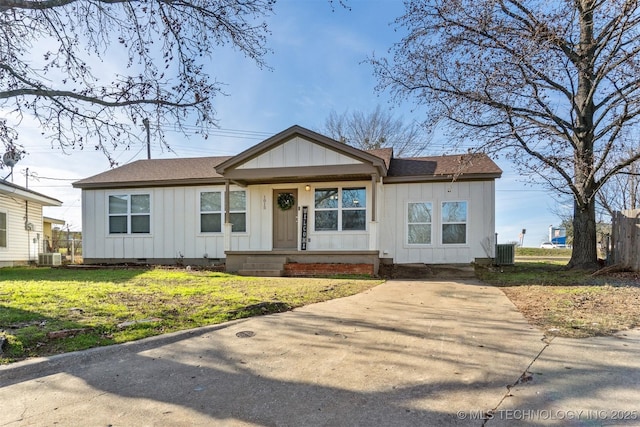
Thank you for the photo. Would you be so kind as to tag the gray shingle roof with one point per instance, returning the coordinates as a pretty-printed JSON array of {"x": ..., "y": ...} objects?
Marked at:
[
  {"x": 444, "y": 166},
  {"x": 159, "y": 172},
  {"x": 201, "y": 170},
  {"x": 384, "y": 153}
]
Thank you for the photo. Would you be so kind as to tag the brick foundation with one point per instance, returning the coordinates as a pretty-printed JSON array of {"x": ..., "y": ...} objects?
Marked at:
[{"x": 319, "y": 269}]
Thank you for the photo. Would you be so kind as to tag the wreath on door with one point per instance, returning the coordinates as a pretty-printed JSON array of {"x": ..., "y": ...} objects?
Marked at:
[{"x": 286, "y": 201}]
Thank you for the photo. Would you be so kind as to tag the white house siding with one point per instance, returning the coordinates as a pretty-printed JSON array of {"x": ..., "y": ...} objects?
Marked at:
[
  {"x": 175, "y": 224},
  {"x": 260, "y": 219},
  {"x": 479, "y": 196},
  {"x": 20, "y": 245},
  {"x": 298, "y": 152},
  {"x": 338, "y": 240},
  {"x": 175, "y": 227}
]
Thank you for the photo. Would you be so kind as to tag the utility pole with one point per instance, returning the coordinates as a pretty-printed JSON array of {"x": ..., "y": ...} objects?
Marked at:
[{"x": 145, "y": 122}]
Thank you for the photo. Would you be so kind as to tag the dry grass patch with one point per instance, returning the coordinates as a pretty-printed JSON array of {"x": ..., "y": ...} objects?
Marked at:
[
  {"x": 578, "y": 311},
  {"x": 569, "y": 303}
]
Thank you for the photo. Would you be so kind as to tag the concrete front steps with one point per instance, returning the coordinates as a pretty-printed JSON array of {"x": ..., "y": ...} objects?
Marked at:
[{"x": 264, "y": 266}]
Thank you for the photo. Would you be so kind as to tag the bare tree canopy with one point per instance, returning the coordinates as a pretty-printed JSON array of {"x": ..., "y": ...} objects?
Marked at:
[
  {"x": 88, "y": 71},
  {"x": 377, "y": 129},
  {"x": 621, "y": 192},
  {"x": 554, "y": 84}
]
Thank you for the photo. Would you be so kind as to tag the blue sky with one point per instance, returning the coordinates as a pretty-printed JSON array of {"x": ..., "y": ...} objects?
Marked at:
[{"x": 317, "y": 65}]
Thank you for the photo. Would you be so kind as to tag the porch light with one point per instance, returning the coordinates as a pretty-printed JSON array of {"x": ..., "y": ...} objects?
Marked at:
[{"x": 307, "y": 187}]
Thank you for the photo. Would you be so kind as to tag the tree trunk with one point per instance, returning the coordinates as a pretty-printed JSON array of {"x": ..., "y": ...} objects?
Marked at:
[{"x": 584, "y": 254}]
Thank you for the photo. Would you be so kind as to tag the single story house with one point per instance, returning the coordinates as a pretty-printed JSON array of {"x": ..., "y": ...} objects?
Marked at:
[
  {"x": 22, "y": 231},
  {"x": 298, "y": 202},
  {"x": 50, "y": 224}
]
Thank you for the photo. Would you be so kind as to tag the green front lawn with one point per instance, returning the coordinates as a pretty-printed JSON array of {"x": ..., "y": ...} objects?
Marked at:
[{"x": 46, "y": 311}]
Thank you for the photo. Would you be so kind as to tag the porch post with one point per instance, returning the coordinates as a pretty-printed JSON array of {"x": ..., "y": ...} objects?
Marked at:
[
  {"x": 227, "y": 223},
  {"x": 374, "y": 187},
  {"x": 373, "y": 225}
]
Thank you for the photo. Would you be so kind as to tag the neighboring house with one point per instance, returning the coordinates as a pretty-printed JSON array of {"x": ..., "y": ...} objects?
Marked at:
[
  {"x": 48, "y": 245},
  {"x": 302, "y": 199},
  {"x": 21, "y": 224}
]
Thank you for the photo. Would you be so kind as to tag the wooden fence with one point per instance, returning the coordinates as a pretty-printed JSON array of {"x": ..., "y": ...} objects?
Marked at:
[{"x": 625, "y": 239}]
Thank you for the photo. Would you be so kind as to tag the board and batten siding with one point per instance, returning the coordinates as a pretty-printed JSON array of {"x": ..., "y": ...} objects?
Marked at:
[
  {"x": 298, "y": 152},
  {"x": 174, "y": 224},
  {"x": 480, "y": 198},
  {"x": 338, "y": 240},
  {"x": 260, "y": 220},
  {"x": 20, "y": 245}
]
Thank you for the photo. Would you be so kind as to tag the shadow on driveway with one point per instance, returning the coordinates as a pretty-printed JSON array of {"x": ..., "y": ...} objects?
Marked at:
[{"x": 404, "y": 353}]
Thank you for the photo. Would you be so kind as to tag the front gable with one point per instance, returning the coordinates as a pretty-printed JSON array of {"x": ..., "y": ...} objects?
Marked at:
[{"x": 298, "y": 154}]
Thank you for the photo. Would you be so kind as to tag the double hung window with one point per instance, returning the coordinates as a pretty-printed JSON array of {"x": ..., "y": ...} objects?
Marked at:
[
  {"x": 419, "y": 218},
  {"x": 212, "y": 211},
  {"x": 3, "y": 230},
  {"x": 340, "y": 209},
  {"x": 454, "y": 223},
  {"x": 238, "y": 211},
  {"x": 130, "y": 213}
]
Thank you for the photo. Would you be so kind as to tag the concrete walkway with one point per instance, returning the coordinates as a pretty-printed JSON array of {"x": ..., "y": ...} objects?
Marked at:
[{"x": 406, "y": 353}]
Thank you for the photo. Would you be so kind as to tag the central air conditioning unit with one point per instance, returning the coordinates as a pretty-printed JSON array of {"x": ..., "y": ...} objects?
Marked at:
[
  {"x": 505, "y": 254},
  {"x": 50, "y": 259}
]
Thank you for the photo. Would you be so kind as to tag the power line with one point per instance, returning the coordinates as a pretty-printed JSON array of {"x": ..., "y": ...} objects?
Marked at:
[
  {"x": 523, "y": 190},
  {"x": 49, "y": 186},
  {"x": 38, "y": 177},
  {"x": 237, "y": 133}
]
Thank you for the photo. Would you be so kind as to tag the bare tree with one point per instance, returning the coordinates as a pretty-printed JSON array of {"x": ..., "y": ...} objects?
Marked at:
[
  {"x": 622, "y": 191},
  {"x": 56, "y": 57},
  {"x": 552, "y": 84},
  {"x": 377, "y": 129}
]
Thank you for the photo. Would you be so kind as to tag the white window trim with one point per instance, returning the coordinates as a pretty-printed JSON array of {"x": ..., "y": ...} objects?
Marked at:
[
  {"x": 340, "y": 209},
  {"x": 129, "y": 214},
  {"x": 200, "y": 213},
  {"x": 245, "y": 211},
  {"x": 6, "y": 231},
  {"x": 407, "y": 223},
  {"x": 222, "y": 212},
  {"x": 442, "y": 223}
]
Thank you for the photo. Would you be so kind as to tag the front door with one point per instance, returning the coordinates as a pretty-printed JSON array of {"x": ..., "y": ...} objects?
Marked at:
[{"x": 285, "y": 219}]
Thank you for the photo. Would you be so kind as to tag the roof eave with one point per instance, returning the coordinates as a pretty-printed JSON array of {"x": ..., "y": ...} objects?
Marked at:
[
  {"x": 53, "y": 220},
  {"x": 442, "y": 178},
  {"x": 146, "y": 184},
  {"x": 30, "y": 195}
]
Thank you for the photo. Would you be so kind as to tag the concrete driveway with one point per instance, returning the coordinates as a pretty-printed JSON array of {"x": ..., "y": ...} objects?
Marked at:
[{"x": 406, "y": 353}]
